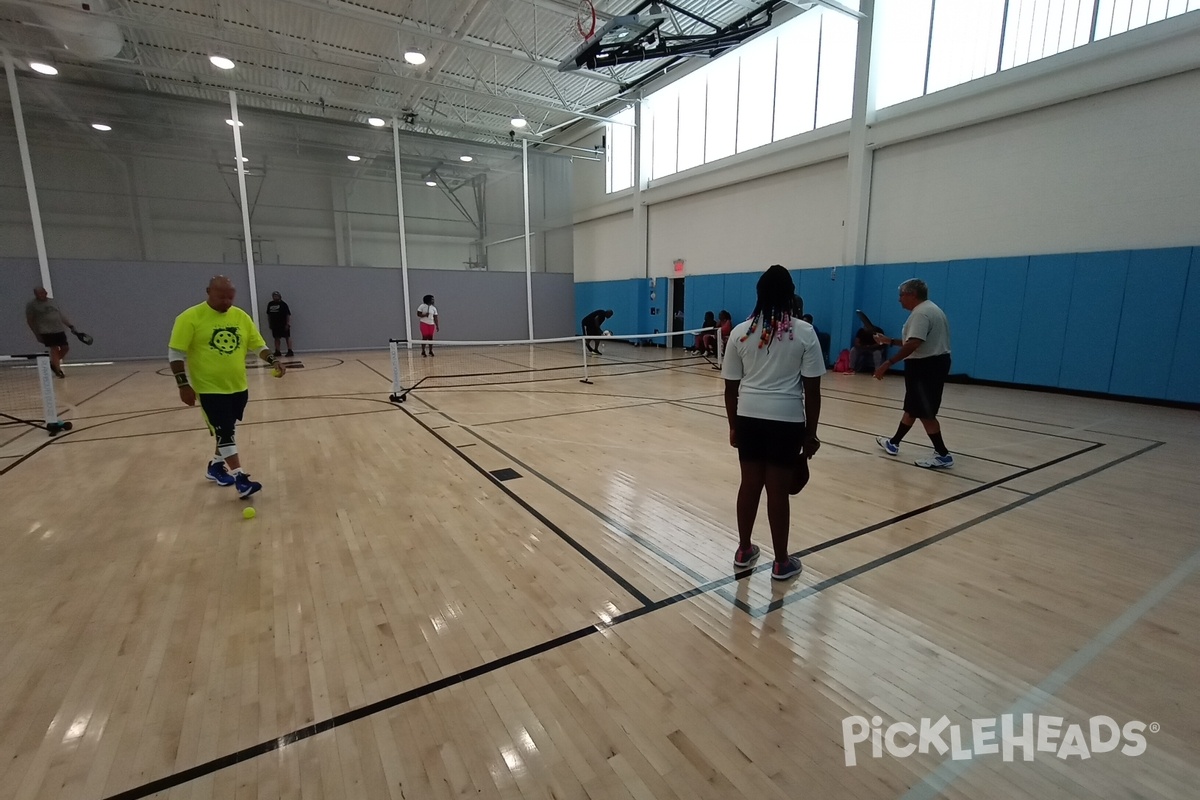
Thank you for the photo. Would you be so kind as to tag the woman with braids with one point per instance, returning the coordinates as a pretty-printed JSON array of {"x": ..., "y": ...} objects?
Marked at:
[{"x": 772, "y": 370}]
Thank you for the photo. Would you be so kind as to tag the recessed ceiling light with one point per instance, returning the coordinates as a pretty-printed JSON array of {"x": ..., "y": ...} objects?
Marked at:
[
  {"x": 240, "y": 124},
  {"x": 45, "y": 69},
  {"x": 376, "y": 122},
  {"x": 221, "y": 62},
  {"x": 414, "y": 57},
  {"x": 466, "y": 158},
  {"x": 519, "y": 122},
  {"x": 100, "y": 126},
  {"x": 431, "y": 183},
  {"x": 354, "y": 158}
]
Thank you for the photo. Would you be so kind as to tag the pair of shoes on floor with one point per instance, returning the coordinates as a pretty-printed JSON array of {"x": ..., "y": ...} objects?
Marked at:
[
  {"x": 289, "y": 354},
  {"x": 218, "y": 474},
  {"x": 780, "y": 570},
  {"x": 933, "y": 462}
]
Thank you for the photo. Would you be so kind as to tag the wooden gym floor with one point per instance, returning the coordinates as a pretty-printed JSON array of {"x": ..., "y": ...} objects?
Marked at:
[{"x": 526, "y": 590}]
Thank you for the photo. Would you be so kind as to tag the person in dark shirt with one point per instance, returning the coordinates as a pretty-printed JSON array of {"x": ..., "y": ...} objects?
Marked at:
[
  {"x": 591, "y": 327},
  {"x": 279, "y": 320}
]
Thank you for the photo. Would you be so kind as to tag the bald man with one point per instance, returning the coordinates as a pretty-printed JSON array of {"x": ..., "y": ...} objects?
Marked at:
[{"x": 208, "y": 348}]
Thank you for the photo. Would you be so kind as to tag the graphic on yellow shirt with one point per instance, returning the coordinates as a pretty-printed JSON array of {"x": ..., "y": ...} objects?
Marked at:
[
  {"x": 216, "y": 345},
  {"x": 225, "y": 340}
]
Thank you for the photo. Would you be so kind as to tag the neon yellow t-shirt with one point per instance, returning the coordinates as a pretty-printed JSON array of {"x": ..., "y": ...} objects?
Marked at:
[{"x": 216, "y": 345}]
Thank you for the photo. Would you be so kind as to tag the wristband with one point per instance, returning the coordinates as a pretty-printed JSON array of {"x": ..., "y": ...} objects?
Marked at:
[
  {"x": 181, "y": 378},
  {"x": 270, "y": 358}
]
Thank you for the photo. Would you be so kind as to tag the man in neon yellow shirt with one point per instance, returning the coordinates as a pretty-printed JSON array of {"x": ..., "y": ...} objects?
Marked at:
[{"x": 213, "y": 339}]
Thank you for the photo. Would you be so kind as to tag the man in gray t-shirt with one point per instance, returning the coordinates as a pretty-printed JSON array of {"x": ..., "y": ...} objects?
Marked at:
[
  {"x": 49, "y": 325},
  {"x": 925, "y": 351}
]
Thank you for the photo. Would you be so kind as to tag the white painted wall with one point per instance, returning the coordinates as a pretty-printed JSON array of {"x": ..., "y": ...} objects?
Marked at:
[
  {"x": 604, "y": 249},
  {"x": 793, "y": 218},
  {"x": 1109, "y": 172}
]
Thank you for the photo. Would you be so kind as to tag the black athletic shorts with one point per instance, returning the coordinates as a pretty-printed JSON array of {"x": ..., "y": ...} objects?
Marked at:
[
  {"x": 53, "y": 339},
  {"x": 769, "y": 440},
  {"x": 223, "y": 410},
  {"x": 281, "y": 333},
  {"x": 924, "y": 379}
]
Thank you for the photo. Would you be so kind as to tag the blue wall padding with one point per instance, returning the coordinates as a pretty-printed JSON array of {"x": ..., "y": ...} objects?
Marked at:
[
  {"x": 1092, "y": 318},
  {"x": 1149, "y": 322},
  {"x": 1109, "y": 322},
  {"x": 1047, "y": 296}
]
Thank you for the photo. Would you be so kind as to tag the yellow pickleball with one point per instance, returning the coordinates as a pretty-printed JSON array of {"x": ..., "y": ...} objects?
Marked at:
[{"x": 248, "y": 513}]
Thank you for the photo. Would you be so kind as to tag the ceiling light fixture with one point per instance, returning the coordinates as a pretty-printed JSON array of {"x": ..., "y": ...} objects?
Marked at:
[
  {"x": 376, "y": 122},
  {"x": 240, "y": 124},
  {"x": 244, "y": 159},
  {"x": 221, "y": 62},
  {"x": 519, "y": 122},
  {"x": 100, "y": 126},
  {"x": 431, "y": 183},
  {"x": 466, "y": 158},
  {"x": 354, "y": 158},
  {"x": 45, "y": 69},
  {"x": 414, "y": 57}
]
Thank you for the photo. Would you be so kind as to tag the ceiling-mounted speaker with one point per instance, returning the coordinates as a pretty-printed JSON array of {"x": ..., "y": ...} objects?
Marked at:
[{"x": 83, "y": 29}]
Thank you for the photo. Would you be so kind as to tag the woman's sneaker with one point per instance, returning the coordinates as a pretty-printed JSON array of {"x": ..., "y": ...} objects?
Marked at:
[
  {"x": 784, "y": 570},
  {"x": 745, "y": 556}
]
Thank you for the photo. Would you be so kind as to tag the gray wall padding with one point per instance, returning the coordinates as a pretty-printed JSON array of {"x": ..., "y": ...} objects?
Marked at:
[{"x": 129, "y": 307}]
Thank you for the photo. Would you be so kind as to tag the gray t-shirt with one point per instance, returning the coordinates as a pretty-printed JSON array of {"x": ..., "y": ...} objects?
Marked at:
[
  {"x": 46, "y": 316},
  {"x": 928, "y": 323}
]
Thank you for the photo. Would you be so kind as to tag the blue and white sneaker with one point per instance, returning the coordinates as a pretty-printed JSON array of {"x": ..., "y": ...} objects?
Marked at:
[
  {"x": 886, "y": 444},
  {"x": 218, "y": 474},
  {"x": 936, "y": 462},
  {"x": 245, "y": 486}
]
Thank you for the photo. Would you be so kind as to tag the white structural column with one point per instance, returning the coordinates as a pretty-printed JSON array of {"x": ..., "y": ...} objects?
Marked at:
[
  {"x": 528, "y": 237},
  {"x": 408, "y": 335},
  {"x": 241, "y": 173},
  {"x": 641, "y": 219},
  {"x": 862, "y": 148},
  {"x": 27, "y": 165}
]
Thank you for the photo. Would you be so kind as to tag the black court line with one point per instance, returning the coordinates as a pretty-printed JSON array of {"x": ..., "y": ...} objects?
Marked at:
[
  {"x": 194, "y": 430},
  {"x": 896, "y": 405},
  {"x": 570, "y": 413},
  {"x": 779, "y": 603},
  {"x": 899, "y": 461},
  {"x": 18, "y": 462},
  {"x": 394, "y": 701},
  {"x": 616, "y": 577},
  {"x": 402, "y": 698}
]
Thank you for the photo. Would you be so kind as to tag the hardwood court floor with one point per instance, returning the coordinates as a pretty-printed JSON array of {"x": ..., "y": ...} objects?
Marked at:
[{"x": 404, "y": 618}]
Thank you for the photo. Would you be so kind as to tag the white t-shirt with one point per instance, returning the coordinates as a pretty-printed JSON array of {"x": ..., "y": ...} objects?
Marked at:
[
  {"x": 771, "y": 386},
  {"x": 928, "y": 323},
  {"x": 426, "y": 309}
]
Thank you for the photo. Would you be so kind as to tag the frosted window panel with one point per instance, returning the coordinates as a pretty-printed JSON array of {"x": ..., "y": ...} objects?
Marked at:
[
  {"x": 966, "y": 41},
  {"x": 692, "y": 102},
  {"x": 664, "y": 106},
  {"x": 901, "y": 40},
  {"x": 721, "y": 116},
  {"x": 620, "y": 152},
  {"x": 756, "y": 94},
  {"x": 796, "y": 76},
  {"x": 835, "y": 87},
  {"x": 1113, "y": 17}
]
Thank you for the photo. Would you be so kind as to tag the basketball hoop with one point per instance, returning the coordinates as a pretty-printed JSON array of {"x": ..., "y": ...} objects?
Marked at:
[{"x": 585, "y": 19}]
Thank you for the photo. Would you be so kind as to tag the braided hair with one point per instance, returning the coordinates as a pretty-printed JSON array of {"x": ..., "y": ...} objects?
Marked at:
[{"x": 774, "y": 309}]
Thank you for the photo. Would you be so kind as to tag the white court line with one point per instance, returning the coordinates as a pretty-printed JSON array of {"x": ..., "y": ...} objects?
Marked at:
[{"x": 936, "y": 782}]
